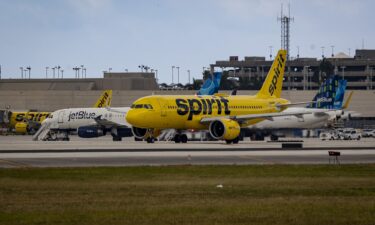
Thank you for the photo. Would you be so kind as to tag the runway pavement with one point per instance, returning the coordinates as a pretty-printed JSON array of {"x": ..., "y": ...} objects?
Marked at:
[{"x": 20, "y": 151}]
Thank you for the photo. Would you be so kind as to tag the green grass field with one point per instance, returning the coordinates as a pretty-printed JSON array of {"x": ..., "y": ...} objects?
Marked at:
[{"x": 188, "y": 195}]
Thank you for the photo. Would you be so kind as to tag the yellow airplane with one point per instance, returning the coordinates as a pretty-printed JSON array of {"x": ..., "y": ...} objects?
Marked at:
[
  {"x": 29, "y": 122},
  {"x": 223, "y": 116}
]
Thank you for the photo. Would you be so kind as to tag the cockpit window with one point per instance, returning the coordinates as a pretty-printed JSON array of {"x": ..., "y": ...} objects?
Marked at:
[
  {"x": 50, "y": 116},
  {"x": 141, "y": 106},
  {"x": 148, "y": 106}
]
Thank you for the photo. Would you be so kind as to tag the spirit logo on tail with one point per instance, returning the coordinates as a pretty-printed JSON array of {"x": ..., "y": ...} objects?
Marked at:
[{"x": 277, "y": 70}]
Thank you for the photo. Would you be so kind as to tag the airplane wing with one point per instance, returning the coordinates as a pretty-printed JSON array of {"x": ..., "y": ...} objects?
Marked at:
[
  {"x": 107, "y": 123},
  {"x": 242, "y": 118}
]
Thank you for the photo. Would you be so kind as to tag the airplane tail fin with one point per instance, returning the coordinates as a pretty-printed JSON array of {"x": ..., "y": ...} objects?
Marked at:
[
  {"x": 330, "y": 94},
  {"x": 273, "y": 83},
  {"x": 211, "y": 86},
  {"x": 104, "y": 100}
]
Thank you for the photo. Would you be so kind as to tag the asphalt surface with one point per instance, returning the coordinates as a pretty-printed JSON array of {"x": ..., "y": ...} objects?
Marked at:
[{"x": 21, "y": 151}]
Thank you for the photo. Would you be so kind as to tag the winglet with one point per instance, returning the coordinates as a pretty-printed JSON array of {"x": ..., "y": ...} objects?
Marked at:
[
  {"x": 347, "y": 102},
  {"x": 104, "y": 100},
  {"x": 273, "y": 83}
]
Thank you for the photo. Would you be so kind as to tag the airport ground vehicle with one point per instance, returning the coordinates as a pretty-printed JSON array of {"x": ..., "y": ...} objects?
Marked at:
[
  {"x": 329, "y": 135},
  {"x": 368, "y": 133},
  {"x": 350, "y": 134}
]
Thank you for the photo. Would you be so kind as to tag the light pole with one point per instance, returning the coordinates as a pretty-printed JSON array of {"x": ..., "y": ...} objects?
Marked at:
[
  {"x": 322, "y": 52},
  {"x": 309, "y": 80},
  {"x": 271, "y": 51},
  {"x": 109, "y": 70},
  {"x": 62, "y": 74},
  {"x": 172, "y": 74},
  {"x": 343, "y": 72},
  {"x": 82, "y": 70},
  {"x": 306, "y": 68},
  {"x": 47, "y": 71},
  {"x": 85, "y": 71},
  {"x": 332, "y": 47},
  {"x": 58, "y": 71},
  {"x": 75, "y": 72},
  {"x": 297, "y": 51},
  {"x": 29, "y": 69},
  {"x": 188, "y": 71},
  {"x": 21, "y": 68},
  {"x": 371, "y": 78},
  {"x": 156, "y": 75},
  {"x": 53, "y": 69},
  {"x": 178, "y": 74}
]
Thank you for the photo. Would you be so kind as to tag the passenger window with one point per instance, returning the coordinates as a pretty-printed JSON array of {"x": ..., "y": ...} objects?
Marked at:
[{"x": 138, "y": 106}]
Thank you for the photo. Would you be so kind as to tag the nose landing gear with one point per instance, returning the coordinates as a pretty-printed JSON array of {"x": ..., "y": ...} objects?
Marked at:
[{"x": 180, "y": 138}]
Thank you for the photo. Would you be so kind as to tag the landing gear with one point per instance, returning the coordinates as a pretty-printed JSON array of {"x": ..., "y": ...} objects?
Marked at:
[
  {"x": 116, "y": 138},
  {"x": 150, "y": 140},
  {"x": 274, "y": 137},
  {"x": 234, "y": 141},
  {"x": 180, "y": 138}
]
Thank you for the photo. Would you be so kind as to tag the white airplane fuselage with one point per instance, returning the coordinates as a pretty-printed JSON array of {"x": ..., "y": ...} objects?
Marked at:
[
  {"x": 317, "y": 118},
  {"x": 73, "y": 118}
]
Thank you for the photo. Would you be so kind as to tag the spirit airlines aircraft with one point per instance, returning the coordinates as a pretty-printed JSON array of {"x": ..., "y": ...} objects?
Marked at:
[
  {"x": 222, "y": 116},
  {"x": 29, "y": 122}
]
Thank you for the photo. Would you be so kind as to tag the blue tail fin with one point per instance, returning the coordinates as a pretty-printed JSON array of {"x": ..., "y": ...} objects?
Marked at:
[
  {"x": 211, "y": 86},
  {"x": 330, "y": 94}
]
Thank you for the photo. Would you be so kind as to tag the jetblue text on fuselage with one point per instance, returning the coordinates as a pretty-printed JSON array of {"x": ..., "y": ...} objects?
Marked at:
[
  {"x": 81, "y": 115},
  {"x": 196, "y": 106}
]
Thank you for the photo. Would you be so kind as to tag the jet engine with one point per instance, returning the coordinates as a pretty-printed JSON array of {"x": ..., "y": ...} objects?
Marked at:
[
  {"x": 225, "y": 129},
  {"x": 21, "y": 128},
  {"x": 90, "y": 132},
  {"x": 143, "y": 133},
  {"x": 140, "y": 133}
]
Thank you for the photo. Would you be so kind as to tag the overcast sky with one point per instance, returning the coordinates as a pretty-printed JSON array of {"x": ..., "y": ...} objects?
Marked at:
[{"x": 191, "y": 34}]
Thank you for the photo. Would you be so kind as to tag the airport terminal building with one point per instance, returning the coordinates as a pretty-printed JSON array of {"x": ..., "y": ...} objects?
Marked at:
[{"x": 358, "y": 70}]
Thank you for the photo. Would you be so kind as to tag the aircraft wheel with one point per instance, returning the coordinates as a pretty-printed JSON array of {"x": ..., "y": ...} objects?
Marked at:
[
  {"x": 150, "y": 140},
  {"x": 236, "y": 140},
  {"x": 115, "y": 138},
  {"x": 177, "y": 138},
  {"x": 274, "y": 137},
  {"x": 183, "y": 138},
  {"x": 138, "y": 139},
  {"x": 228, "y": 141}
]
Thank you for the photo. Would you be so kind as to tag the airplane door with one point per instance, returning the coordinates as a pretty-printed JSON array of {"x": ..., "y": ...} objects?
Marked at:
[
  {"x": 163, "y": 107},
  {"x": 61, "y": 116}
]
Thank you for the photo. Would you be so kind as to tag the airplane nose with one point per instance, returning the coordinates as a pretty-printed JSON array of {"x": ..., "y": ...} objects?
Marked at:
[{"x": 131, "y": 117}]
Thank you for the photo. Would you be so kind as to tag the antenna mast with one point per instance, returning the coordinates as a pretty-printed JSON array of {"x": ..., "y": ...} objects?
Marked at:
[{"x": 285, "y": 29}]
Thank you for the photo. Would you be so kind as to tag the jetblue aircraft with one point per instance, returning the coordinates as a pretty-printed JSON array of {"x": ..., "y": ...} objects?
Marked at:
[{"x": 327, "y": 106}]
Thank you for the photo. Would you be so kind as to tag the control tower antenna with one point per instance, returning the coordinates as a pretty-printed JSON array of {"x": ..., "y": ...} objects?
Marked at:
[{"x": 285, "y": 29}]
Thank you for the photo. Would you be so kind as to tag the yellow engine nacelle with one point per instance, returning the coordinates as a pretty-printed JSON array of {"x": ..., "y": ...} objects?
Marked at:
[
  {"x": 143, "y": 133},
  {"x": 21, "y": 128},
  {"x": 225, "y": 129}
]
